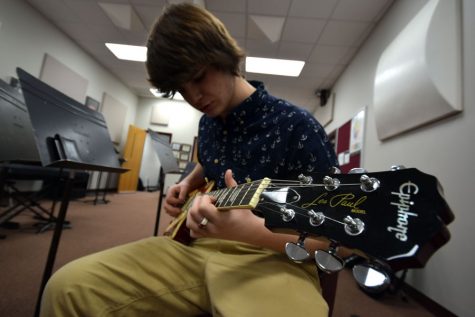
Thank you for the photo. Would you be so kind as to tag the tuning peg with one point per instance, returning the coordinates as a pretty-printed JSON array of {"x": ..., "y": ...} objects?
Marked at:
[
  {"x": 397, "y": 167},
  {"x": 353, "y": 226},
  {"x": 296, "y": 251},
  {"x": 357, "y": 170},
  {"x": 329, "y": 261},
  {"x": 305, "y": 179},
  {"x": 372, "y": 277},
  {"x": 315, "y": 218},
  {"x": 287, "y": 214},
  {"x": 369, "y": 184},
  {"x": 331, "y": 183}
]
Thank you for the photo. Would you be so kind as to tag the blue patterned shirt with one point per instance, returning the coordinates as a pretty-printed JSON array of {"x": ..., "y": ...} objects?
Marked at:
[{"x": 263, "y": 137}]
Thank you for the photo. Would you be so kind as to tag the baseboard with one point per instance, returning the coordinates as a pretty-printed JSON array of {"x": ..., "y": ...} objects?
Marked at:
[{"x": 426, "y": 302}]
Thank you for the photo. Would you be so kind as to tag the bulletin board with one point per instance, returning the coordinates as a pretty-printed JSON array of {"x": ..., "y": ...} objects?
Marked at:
[{"x": 348, "y": 141}]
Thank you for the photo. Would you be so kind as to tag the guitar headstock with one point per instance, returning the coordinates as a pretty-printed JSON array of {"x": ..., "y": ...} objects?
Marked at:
[{"x": 398, "y": 216}]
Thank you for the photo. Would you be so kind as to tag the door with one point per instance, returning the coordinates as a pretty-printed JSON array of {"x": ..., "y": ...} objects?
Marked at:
[{"x": 133, "y": 151}]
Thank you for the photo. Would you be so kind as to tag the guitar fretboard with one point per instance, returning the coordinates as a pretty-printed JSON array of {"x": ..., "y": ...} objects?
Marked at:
[{"x": 245, "y": 196}]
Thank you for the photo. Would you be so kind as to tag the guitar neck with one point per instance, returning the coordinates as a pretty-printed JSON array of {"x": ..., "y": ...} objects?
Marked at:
[{"x": 243, "y": 196}]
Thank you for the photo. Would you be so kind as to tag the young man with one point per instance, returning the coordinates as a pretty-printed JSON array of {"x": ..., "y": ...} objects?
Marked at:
[{"x": 235, "y": 266}]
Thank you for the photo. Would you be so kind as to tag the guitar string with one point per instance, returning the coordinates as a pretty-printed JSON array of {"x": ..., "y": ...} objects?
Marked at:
[{"x": 298, "y": 211}]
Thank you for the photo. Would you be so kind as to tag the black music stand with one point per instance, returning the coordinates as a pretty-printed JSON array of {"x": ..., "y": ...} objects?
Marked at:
[
  {"x": 168, "y": 164},
  {"x": 17, "y": 145},
  {"x": 68, "y": 135}
]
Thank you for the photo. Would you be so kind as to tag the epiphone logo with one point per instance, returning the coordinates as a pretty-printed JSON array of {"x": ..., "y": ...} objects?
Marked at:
[
  {"x": 403, "y": 205},
  {"x": 345, "y": 200}
]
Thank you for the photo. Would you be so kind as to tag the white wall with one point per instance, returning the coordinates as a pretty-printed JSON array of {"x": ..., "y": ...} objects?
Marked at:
[
  {"x": 183, "y": 125},
  {"x": 25, "y": 36},
  {"x": 444, "y": 149}
]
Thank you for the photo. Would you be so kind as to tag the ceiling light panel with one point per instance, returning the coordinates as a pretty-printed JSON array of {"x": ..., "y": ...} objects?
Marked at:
[{"x": 272, "y": 66}]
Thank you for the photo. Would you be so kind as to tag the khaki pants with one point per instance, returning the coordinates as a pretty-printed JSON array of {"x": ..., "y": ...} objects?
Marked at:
[{"x": 161, "y": 277}]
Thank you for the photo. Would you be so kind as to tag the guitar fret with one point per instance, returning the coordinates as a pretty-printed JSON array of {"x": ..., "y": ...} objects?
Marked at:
[
  {"x": 245, "y": 194},
  {"x": 234, "y": 195},
  {"x": 250, "y": 193},
  {"x": 223, "y": 197},
  {"x": 221, "y": 193}
]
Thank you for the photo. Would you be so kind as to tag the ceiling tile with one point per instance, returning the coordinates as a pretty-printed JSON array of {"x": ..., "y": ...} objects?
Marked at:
[
  {"x": 302, "y": 30},
  {"x": 293, "y": 50},
  {"x": 55, "y": 10},
  {"x": 342, "y": 33},
  {"x": 312, "y": 8},
  {"x": 155, "y": 3},
  {"x": 148, "y": 14},
  {"x": 235, "y": 23},
  {"x": 361, "y": 10},
  {"x": 328, "y": 54},
  {"x": 269, "y": 7},
  {"x": 314, "y": 70},
  {"x": 226, "y": 5},
  {"x": 89, "y": 12},
  {"x": 260, "y": 48},
  {"x": 339, "y": 27}
]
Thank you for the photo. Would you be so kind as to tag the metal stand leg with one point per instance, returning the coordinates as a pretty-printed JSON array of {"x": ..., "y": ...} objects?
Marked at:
[{"x": 56, "y": 238}]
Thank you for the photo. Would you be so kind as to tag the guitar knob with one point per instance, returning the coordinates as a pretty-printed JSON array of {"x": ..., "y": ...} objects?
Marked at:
[
  {"x": 316, "y": 218},
  {"x": 353, "y": 226},
  {"x": 369, "y": 184},
  {"x": 287, "y": 214},
  {"x": 334, "y": 170},
  {"x": 397, "y": 167},
  {"x": 331, "y": 183},
  {"x": 328, "y": 261},
  {"x": 372, "y": 277},
  {"x": 296, "y": 251}
]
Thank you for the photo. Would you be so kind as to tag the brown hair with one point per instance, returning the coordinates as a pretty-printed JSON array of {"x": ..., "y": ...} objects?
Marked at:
[{"x": 185, "y": 39}]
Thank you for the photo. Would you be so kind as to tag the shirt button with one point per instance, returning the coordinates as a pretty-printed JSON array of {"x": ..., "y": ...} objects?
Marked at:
[{"x": 216, "y": 161}]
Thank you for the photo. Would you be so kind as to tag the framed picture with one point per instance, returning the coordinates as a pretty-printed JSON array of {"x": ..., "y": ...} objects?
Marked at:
[
  {"x": 176, "y": 146},
  {"x": 92, "y": 103},
  {"x": 184, "y": 156},
  {"x": 186, "y": 148},
  {"x": 182, "y": 164},
  {"x": 176, "y": 154}
]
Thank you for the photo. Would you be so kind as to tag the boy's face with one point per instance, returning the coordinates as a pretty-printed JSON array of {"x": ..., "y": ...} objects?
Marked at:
[{"x": 211, "y": 91}]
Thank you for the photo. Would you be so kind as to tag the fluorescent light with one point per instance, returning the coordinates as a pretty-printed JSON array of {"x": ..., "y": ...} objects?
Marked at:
[
  {"x": 155, "y": 92},
  {"x": 158, "y": 94},
  {"x": 272, "y": 66},
  {"x": 128, "y": 52}
]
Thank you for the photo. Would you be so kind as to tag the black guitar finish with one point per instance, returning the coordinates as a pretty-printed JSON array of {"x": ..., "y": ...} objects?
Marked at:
[{"x": 404, "y": 220}]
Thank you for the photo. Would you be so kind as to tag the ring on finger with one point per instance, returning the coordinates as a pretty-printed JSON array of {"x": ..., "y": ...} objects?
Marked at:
[{"x": 203, "y": 222}]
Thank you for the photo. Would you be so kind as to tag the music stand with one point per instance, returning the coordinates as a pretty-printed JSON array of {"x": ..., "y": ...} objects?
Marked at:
[
  {"x": 68, "y": 135},
  {"x": 17, "y": 145},
  {"x": 168, "y": 164}
]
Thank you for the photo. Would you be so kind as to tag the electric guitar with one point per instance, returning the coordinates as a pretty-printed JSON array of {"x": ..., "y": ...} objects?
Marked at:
[{"x": 398, "y": 217}]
